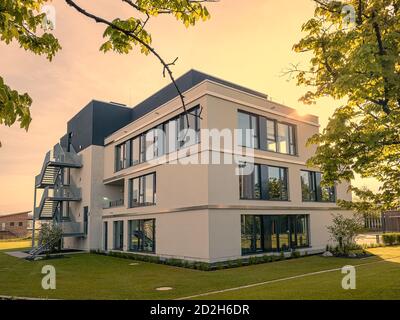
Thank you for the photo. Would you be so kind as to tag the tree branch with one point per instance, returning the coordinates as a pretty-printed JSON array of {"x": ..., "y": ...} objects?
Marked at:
[{"x": 135, "y": 37}]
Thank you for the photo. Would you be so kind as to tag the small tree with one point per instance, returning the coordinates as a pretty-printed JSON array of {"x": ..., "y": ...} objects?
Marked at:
[
  {"x": 344, "y": 230},
  {"x": 50, "y": 234}
]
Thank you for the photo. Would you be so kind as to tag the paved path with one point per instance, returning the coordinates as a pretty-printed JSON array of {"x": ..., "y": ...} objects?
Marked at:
[{"x": 17, "y": 254}]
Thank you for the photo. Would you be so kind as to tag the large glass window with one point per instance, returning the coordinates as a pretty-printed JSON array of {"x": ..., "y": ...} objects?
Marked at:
[
  {"x": 277, "y": 184},
  {"x": 249, "y": 184},
  {"x": 135, "y": 149},
  {"x": 308, "y": 186},
  {"x": 271, "y": 135},
  {"x": 118, "y": 235},
  {"x": 248, "y": 126},
  {"x": 184, "y": 139},
  {"x": 142, "y": 235},
  {"x": 121, "y": 157},
  {"x": 286, "y": 139},
  {"x": 266, "y": 183},
  {"x": 272, "y": 233},
  {"x": 158, "y": 141},
  {"x": 268, "y": 134},
  {"x": 312, "y": 190},
  {"x": 251, "y": 234},
  {"x": 172, "y": 129},
  {"x": 142, "y": 191}
]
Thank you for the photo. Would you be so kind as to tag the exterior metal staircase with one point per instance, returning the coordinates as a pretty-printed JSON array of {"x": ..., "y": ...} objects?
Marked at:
[
  {"x": 56, "y": 190},
  {"x": 51, "y": 181}
]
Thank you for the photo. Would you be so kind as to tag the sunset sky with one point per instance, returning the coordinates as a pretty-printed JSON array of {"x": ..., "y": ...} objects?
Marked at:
[{"x": 246, "y": 42}]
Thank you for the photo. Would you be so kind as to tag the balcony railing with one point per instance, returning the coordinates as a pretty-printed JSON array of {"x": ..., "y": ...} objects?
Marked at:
[
  {"x": 72, "y": 228},
  {"x": 114, "y": 204},
  {"x": 69, "y": 192}
]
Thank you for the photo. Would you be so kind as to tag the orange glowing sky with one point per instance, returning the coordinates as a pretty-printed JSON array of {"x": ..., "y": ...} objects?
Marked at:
[{"x": 246, "y": 42}]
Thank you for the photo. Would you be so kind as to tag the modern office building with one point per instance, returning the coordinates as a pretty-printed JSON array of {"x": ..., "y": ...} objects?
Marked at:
[{"x": 115, "y": 182}]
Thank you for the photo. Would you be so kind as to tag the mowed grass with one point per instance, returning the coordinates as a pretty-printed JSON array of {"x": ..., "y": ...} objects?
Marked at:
[{"x": 89, "y": 276}]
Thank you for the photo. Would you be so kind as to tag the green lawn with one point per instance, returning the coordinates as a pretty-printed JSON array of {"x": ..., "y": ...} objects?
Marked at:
[{"x": 89, "y": 276}]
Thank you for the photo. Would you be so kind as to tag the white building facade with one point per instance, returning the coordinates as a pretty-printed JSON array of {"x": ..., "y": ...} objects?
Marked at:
[{"x": 117, "y": 183}]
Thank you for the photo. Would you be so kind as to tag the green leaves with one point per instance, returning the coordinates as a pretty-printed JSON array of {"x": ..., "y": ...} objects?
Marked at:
[
  {"x": 183, "y": 10},
  {"x": 14, "y": 107},
  {"x": 361, "y": 65},
  {"x": 19, "y": 21},
  {"x": 124, "y": 43}
]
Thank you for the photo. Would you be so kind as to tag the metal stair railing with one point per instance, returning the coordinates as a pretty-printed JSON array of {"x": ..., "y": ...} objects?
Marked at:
[
  {"x": 57, "y": 156},
  {"x": 72, "y": 228},
  {"x": 39, "y": 177},
  {"x": 39, "y": 210},
  {"x": 64, "y": 157},
  {"x": 42, "y": 248},
  {"x": 67, "y": 192}
]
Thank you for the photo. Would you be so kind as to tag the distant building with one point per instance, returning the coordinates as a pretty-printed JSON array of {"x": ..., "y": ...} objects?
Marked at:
[
  {"x": 15, "y": 225},
  {"x": 391, "y": 221}
]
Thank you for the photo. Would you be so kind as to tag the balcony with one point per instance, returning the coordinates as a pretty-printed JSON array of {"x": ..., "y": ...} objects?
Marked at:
[
  {"x": 73, "y": 229},
  {"x": 113, "y": 203}
]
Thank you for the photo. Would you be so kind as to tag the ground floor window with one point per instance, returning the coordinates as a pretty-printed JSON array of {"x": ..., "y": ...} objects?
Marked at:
[
  {"x": 118, "y": 235},
  {"x": 142, "y": 235},
  {"x": 272, "y": 233}
]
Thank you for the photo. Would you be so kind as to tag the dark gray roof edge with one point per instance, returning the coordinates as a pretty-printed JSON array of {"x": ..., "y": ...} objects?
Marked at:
[
  {"x": 203, "y": 76},
  {"x": 186, "y": 81},
  {"x": 93, "y": 102},
  {"x": 232, "y": 84},
  {"x": 117, "y": 104}
]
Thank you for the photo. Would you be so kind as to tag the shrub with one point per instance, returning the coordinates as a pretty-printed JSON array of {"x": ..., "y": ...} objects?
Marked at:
[
  {"x": 295, "y": 254},
  {"x": 50, "y": 234},
  {"x": 344, "y": 231},
  {"x": 197, "y": 265},
  {"x": 267, "y": 258},
  {"x": 391, "y": 238}
]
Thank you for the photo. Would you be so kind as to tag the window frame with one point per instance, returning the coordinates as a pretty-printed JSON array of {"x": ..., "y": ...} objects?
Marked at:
[
  {"x": 121, "y": 235},
  {"x": 263, "y": 174},
  {"x": 128, "y": 144},
  {"x": 142, "y": 190},
  {"x": 141, "y": 223},
  {"x": 318, "y": 188},
  {"x": 262, "y": 129},
  {"x": 275, "y": 220},
  {"x": 281, "y": 170},
  {"x": 256, "y": 137},
  {"x": 257, "y": 168}
]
